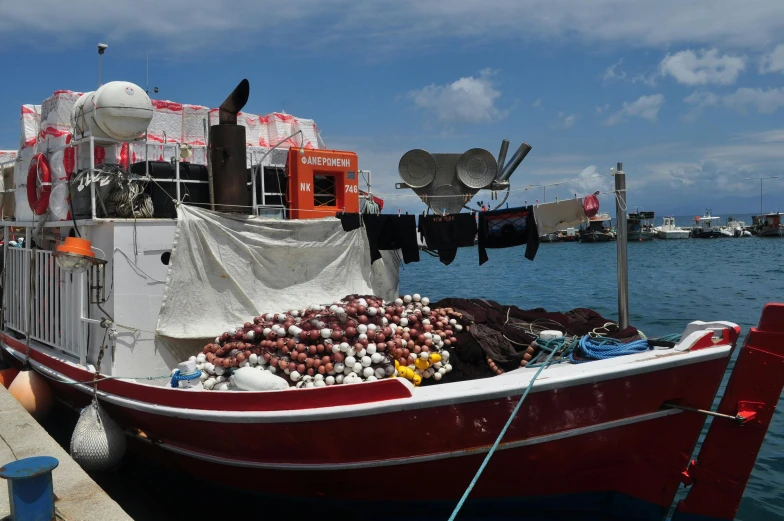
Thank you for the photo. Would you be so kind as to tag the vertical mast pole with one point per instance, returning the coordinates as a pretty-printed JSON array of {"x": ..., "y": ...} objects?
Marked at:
[{"x": 623, "y": 261}]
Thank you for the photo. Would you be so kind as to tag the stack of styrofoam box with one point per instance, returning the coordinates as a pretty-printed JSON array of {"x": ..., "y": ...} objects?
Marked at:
[
  {"x": 311, "y": 138},
  {"x": 7, "y": 168},
  {"x": 193, "y": 117},
  {"x": 280, "y": 126},
  {"x": 165, "y": 129},
  {"x": 30, "y": 123}
]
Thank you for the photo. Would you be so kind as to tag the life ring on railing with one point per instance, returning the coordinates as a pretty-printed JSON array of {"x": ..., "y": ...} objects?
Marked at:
[{"x": 39, "y": 184}]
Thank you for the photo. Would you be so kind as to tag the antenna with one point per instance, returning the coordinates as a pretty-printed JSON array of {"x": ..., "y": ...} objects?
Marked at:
[
  {"x": 101, "y": 49},
  {"x": 147, "y": 70}
]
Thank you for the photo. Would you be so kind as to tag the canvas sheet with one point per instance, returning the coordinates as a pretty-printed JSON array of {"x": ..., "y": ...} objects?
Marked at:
[{"x": 226, "y": 269}]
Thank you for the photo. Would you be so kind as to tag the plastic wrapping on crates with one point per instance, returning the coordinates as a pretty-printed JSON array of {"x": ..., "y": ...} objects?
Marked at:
[
  {"x": 7, "y": 156},
  {"x": 56, "y": 110},
  {"x": 310, "y": 134},
  {"x": 279, "y": 127},
  {"x": 30, "y": 123},
  {"x": 166, "y": 124},
  {"x": 193, "y": 117}
]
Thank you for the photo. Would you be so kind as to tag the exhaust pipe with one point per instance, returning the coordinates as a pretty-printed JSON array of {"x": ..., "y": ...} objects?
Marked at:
[
  {"x": 513, "y": 163},
  {"x": 502, "y": 156},
  {"x": 227, "y": 112}
]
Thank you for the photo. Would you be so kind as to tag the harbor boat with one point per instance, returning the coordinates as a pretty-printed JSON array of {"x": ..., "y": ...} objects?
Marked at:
[
  {"x": 737, "y": 228},
  {"x": 598, "y": 229},
  {"x": 111, "y": 307},
  {"x": 640, "y": 226},
  {"x": 708, "y": 227},
  {"x": 668, "y": 230},
  {"x": 567, "y": 235},
  {"x": 769, "y": 225}
]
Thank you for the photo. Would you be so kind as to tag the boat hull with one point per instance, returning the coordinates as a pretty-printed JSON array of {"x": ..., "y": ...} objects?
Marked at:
[
  {"x": 641, "y": 236},
  {"x": 355, "y": 453},
  {"x": 672, "y": 234},
  {"x": 707, "y": 234},
  {"x": 596, "y": 237},
  {"x": 771, "y": 232}
]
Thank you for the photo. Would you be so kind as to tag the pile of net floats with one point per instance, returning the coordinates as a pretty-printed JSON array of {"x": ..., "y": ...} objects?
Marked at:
[{"x": 359, "y": 339}]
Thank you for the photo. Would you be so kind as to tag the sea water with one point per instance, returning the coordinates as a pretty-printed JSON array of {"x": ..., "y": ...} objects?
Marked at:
[{"x": 671, "y": 283}]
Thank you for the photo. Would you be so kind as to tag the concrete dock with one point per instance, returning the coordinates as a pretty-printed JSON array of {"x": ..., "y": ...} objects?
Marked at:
[{"x": 77, "y": 496}]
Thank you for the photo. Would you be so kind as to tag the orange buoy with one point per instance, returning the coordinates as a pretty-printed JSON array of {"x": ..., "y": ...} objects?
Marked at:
[
  {"x": 7, "y": 374},
  {"x": 32, "y": 391}
]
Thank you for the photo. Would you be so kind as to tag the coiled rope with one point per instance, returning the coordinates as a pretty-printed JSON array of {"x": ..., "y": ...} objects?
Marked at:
[
  {"x": 603, "y": 348},
  {"x": 178, "y": 377}
]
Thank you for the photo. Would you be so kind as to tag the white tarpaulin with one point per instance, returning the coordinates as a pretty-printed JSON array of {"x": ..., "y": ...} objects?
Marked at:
[{"x": 227, "y": 269}]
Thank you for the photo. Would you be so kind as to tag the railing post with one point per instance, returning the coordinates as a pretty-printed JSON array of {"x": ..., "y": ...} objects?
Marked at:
[{"x": 623, "y": 261}]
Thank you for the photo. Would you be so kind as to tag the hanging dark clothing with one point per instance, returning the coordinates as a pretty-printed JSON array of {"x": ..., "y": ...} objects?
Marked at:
[
  {"x": 392, "y": 232},
  {"x": 506, "y": 228},
  {"x": 350, "y": 221},
  {"x": 447, "y": 233}
]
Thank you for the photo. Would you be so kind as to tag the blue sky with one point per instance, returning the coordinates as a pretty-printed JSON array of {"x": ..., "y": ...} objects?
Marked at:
[{"x": 689, "y": 95}]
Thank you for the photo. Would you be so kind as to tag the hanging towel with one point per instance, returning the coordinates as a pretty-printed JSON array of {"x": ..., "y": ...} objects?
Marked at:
[
  {"x": 551, "y": 217},
  {"x": 349, "y": 221},
  {"x": 506, "y": 228},
  {"x": 392, "y": 232},
  {"x": 447, "y": 233}
]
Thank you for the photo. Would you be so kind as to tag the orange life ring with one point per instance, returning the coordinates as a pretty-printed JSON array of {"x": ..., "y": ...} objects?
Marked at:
[{"x": 39, "y": 184}]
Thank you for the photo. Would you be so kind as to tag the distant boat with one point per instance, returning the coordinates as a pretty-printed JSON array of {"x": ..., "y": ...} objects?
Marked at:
[
  {"x": 668, "y": 230},
  {"x": 737, "y": 228},
  {"x": 599, "y": 229},
  {"x": 549, "y": 237},
  {"x": 639, "y": 226},
  {"x": 708, "y": 227},
  {"x": 769, "y": 225}
]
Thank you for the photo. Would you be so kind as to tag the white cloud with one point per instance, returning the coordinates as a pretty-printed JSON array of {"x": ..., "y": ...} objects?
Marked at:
[
  {"x": 703, "y": 67},
  {"x": 390, "y": 24},
  {"x": 566, "y": 121},
  {"x": 610, "y": 72},
  {"x": 591, "y": 180},
  {"x": 646, "y": 107},
  {"x": 602, "y": 109},
  {"x": 701, "y": 98},
  {"x": 537, "y": 103},
  {"x": 766, "y": 101},
  {"x": 773, "y": 61},
  {"x": 467, "y": 100}
]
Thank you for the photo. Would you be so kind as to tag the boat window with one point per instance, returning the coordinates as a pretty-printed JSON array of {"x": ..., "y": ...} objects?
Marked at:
[{"x": 324, "y": 190}]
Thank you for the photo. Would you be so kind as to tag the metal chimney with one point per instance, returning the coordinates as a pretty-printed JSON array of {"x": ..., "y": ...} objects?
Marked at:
[{"x": 228, "y": 155}]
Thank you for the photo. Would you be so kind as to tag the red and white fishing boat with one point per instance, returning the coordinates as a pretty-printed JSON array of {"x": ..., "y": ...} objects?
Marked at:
[{"x": 607, "y": 438}]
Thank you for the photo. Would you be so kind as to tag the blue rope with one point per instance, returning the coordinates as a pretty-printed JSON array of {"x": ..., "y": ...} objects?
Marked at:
[
  {"x": 500, "y": 436},
  {"x": 603, "y": 348},
  {"x": 672, "y": 337},
  {"x": 177, "y": 377}
]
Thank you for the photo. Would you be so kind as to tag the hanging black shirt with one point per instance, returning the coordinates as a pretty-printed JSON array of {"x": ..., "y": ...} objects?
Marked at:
[
  {"x": 505, "y": 228},
  {"x": 447, "y": 233},
  {"x": 349, "y": 221},
  {"x": 392, "y": 232}
]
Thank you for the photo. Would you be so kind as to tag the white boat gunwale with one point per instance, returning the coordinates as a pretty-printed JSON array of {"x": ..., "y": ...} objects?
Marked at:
[{"x": 507, "y": 385}]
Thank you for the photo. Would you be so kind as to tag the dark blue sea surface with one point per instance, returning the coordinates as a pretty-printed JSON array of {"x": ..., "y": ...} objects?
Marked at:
[{"x": 670, "y": 284}]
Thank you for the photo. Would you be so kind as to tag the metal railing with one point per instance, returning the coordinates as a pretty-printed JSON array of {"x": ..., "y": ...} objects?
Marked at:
[{"x": 53, "y": 315}]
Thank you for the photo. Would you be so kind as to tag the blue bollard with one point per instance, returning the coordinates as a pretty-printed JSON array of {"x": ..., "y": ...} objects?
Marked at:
[{"x": 30, "y": 489}]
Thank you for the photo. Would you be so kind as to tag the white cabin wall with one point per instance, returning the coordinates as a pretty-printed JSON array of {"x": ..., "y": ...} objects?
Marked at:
[
  {"x": 139, "y": 281},
  {"x": 102, "y": 237}
]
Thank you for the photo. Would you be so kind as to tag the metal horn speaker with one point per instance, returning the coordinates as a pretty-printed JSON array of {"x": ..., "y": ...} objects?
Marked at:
[{"x": 477, "y": 168}]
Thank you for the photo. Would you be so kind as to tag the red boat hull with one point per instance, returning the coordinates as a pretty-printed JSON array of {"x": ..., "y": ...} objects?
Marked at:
[{"x": 607, "y": 439}]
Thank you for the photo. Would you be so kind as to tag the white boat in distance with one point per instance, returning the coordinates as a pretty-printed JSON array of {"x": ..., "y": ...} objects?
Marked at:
[{"x": 668, "y": 230}]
